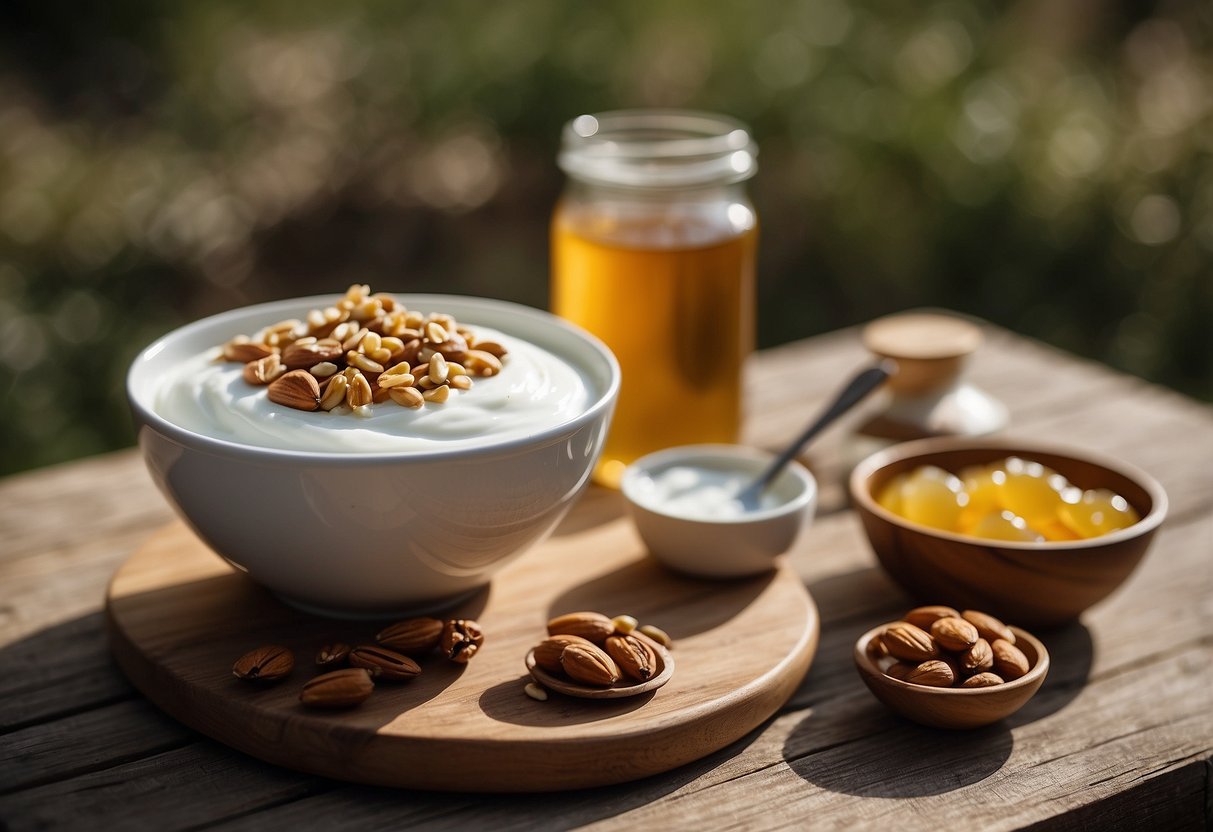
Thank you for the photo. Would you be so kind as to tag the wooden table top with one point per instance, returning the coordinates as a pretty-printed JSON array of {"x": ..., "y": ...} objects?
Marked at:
[{"x": 1120, "y": 736}]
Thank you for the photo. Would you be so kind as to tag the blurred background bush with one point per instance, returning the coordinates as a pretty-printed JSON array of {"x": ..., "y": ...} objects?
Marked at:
[{"x": 1045, "y": 165}]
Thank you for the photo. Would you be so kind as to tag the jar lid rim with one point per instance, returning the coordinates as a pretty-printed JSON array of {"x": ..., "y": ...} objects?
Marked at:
[{"x": 657, "y": 148}]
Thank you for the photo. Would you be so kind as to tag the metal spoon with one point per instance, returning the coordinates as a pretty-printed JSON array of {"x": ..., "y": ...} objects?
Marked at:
[{"x": 856, "y": 390}]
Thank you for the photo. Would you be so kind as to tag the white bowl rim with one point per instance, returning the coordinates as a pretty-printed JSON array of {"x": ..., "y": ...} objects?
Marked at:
[
  {"x": 658, "y": 459},
  {"x": 193, "y": 439},
  {"x": 933, "y": 445}
]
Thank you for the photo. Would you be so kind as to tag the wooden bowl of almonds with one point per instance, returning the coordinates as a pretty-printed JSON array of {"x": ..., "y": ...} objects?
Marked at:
[{"x": 951, "y": 669}]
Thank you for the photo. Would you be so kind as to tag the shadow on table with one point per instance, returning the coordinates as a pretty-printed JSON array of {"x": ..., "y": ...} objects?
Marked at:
[
  {"x": 368, "y": 807},
  {"x": 1071, "y": 654},
  {"x": 502, "y": 703},
  {"x": 850, "y": 743},
  {"x": 596, "y": 506},
  {"x": 892, "y": 757},
  {"x": 702, "y": 604}
]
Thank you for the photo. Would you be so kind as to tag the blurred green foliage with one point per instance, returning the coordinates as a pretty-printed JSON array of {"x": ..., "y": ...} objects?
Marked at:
[{"x": 1044, "y": 165}]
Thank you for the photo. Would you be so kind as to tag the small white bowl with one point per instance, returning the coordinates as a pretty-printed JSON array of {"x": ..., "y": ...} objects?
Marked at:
[{"x": 720, "y": 546}]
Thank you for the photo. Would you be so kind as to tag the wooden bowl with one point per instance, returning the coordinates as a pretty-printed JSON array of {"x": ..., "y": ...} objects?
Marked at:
[
  {"x": 955, "y": 707},
  {"x": 665, "y": 669},
  {"x": 1035, "y": 584}
]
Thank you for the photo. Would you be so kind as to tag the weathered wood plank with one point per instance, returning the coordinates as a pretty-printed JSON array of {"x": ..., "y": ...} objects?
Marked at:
[
  {"x": 58, "y": 671},
  {"x": 177, "y": 789},
  {"x": 95, "y": 739},
  {"x": 115, "y": 489}
]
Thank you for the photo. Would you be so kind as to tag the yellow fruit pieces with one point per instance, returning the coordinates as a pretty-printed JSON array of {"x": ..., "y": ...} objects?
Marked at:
[{"x": 1013, "y": 499}]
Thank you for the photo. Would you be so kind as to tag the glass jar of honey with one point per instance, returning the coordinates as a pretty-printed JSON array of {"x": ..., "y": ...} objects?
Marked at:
[{"x": 653, "y": 249}]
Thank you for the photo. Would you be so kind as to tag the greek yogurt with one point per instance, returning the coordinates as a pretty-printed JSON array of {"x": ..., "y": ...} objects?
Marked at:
[
  {"x": 699, "y": 492},
  {"x": 535, "y": 390}
]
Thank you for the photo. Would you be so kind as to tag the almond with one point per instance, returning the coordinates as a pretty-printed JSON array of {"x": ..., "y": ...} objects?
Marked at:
[
  {"x": 924, "y": 617},
  {"x": 382, "y": 663},
  {"x": 263, "y": 370},
  {"x": 245, "y": 351},
  {"x": 265, "y": 664},
  {"x": 954, "y": 634},
  {"x": 482, "y": 363},
  {"x": 989, "y": 627},
  {"x": 592, "y": 626},
  {"x": 635, "y": 657},
  {"x": 547, "y": 652},
  {"x": 300, "y": 356},
  {"x": 1009, "y": 661},
  {"x": 297, "y": 389},
  {"x": 589, "y": 665},
  {"x": 982, "y": 680},
  {"x": 875, "y": 647},
  {"x": 339, "y": 689},
  {"x": 413, "y": 636},
  {"x": 332, "y": 654},
  {"x": 900, "y": 670},
  {"x": 491, "y": 347},
  {"x": 905, "y": 641},
  {"x": 935, "y": 673},
  {"x": 978, "y": 658}
]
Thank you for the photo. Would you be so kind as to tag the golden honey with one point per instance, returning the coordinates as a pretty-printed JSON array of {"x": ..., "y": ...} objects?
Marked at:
[{"x": 679, "y": 321}]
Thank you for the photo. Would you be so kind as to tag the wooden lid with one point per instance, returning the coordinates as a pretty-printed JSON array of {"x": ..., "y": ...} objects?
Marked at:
[{"x": 921, "y": 336}]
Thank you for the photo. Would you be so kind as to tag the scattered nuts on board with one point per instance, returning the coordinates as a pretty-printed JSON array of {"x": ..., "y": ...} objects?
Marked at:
[
  {"x": 461, "y": 639},
  {"x": 384, "y": 664},
  {"x": 598, "y": 651},
  {"x": 331, "y": 654},
  {"x": 414, "y": 636},
  {"x": 940, "y": 647},
  {"x": 338, "y": 689},
  {"x": 394, "y": 658},
  {"x": 265, "y": 664},
  {"x": 367, "y": 349}
]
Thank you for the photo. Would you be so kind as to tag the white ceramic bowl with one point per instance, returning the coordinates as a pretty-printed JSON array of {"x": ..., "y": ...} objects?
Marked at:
[
  {"x": 723, "y": 546},
  {"x": 374, "y": 534}
]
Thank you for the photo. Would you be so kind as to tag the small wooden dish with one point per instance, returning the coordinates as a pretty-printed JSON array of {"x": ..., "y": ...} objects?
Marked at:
[
  {"x": 954, "y": 707},
  {"x": 559, "y": 684},
  {"x": 1035, "y": 584}
]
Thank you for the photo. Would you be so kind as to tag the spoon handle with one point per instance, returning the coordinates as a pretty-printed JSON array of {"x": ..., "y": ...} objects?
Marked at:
[{"x": 859, "y": 387}]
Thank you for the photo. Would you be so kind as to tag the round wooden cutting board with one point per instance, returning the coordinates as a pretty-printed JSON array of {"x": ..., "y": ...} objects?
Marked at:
[{"x": 179, "y": 616}]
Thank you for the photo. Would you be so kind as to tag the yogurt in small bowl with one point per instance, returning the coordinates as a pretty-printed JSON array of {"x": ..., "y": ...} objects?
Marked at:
[
  {"x": 683, "y": 502},
  {"x": 389, "y": 510}
]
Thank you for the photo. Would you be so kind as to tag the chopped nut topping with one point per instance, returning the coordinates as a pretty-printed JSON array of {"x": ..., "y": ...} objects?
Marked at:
[{"x": 367, "y": 349}]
